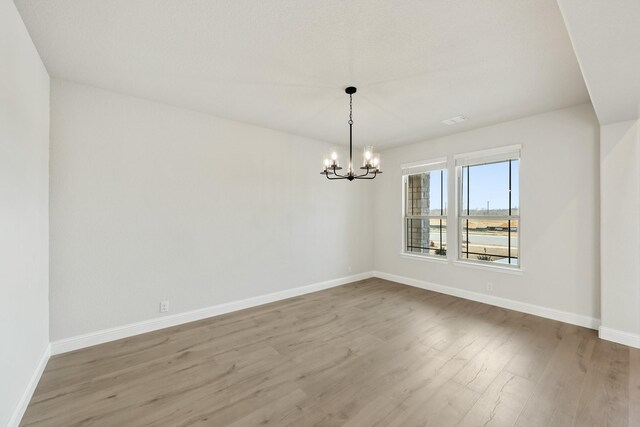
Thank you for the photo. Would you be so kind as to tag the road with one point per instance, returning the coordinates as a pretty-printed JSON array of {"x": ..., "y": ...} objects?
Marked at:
[{"x": 489, "y": 240}]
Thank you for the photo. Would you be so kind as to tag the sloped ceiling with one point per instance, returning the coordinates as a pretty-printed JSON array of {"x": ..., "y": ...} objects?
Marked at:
[
  {"x": 284, "y": 64},
  {"x": 606, "y": 38}
]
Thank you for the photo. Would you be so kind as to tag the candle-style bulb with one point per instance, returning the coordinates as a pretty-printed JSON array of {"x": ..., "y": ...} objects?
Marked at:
[
  {"x": 376, "y": 161},
  {"x": 368, "y": 154}
]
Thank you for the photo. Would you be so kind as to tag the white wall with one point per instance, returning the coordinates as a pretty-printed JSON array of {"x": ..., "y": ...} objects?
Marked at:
[
  {"x": 620, "y": 231},
  {"x": 151, "y": 202},
  {"x": 24, "y": 231},
  {"x": 559, "y": 199}
]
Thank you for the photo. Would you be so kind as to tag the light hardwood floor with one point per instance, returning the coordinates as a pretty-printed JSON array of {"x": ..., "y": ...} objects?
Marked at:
[{"x": 369, "y": 353}]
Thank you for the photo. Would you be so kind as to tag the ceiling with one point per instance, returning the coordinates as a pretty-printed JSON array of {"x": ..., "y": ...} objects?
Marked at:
[
  {"x": 284, "y": 64},
  {"x": 606, "y": 38}
]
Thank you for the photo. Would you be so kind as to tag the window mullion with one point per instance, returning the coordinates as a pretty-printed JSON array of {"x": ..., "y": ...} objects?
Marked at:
[
  {"x": 509, "y": 222},
  {"x": 468, "y": 206}
]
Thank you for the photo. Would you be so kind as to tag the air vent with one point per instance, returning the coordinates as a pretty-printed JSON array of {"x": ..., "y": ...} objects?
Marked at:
[{"x": 455, "y": 120}]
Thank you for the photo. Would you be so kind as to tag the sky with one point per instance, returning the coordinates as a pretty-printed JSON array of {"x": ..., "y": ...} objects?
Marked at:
[
  {"x": 434, "y": 191},
  {"x": 488, "y": 182}
]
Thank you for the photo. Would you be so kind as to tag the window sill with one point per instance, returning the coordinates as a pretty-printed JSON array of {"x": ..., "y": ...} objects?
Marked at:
[
  {"x": 428, "y": 258},
  {"x": 489, "y": 267}
]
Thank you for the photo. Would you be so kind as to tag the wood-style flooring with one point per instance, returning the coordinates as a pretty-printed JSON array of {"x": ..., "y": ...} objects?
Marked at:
[{"x": 371, "y": 353}]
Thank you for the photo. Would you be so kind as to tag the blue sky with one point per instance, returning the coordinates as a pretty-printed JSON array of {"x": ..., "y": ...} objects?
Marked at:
[
  {"x": 434, "y": 191},
  {"x": 488, "y": 182}
]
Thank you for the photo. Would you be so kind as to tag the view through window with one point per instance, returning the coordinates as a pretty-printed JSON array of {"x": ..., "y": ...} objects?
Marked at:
[
  {"x": 489, "y": 212},
  {"x": 426, "y": 213}
]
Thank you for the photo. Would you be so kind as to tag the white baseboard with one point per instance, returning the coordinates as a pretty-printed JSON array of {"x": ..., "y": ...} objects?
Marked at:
[
  {"x": 125, "y": 331},
  {"x": 18, "y": 413},
  {"x": 537, "y": 310},
  {"x": 620, "y": 337}
]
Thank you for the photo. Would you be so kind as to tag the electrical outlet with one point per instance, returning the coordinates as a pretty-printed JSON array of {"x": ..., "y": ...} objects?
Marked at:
[
  {"x": 349, "y": 269},
  {"x": 490, "y": 286},
  {"x": 164, "y": 306}
]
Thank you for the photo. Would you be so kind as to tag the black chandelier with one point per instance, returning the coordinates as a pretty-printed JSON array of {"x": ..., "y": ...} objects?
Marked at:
[{"x": 371, "y": 161}]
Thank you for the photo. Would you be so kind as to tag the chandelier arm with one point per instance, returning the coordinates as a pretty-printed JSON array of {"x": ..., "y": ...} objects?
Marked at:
[
  {"x": 326, "y": 173},
  {"x": 337, "y": 174},
  {"x": 332, "y": 179},
  {"x": 365, "y": 176}
]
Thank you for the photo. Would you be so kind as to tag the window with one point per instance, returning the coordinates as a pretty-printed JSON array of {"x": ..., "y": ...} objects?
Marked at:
[
  {"x": 425, "y": 209},
  {"x": 489, "y": 212}
]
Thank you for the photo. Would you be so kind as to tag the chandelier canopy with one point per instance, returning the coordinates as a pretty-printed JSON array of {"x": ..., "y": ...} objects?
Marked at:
[{"x": 370, "y": 162}]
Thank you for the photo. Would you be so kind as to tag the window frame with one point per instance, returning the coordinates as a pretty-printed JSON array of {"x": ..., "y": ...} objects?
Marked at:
[
  {"x": 417, "y": 168},
  {"x": 489, "y": 156}
]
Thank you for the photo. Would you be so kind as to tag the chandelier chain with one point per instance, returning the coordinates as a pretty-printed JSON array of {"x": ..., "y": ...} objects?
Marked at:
[{"x": 350, "y": 109}]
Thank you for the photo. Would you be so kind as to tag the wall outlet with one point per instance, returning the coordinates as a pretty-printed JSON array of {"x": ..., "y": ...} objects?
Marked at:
[
  {"x": 349, "y": 269},
  {"x": 164, "y": 306},
  {"x": 490, "y": 287}
]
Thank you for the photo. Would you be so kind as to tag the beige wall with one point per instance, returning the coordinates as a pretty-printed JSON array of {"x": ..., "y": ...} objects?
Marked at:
[
  {"x": 620, "y": 231},
  {"x": 151, "y": 202},
  {"x": 559, "y": 199},
  {"x": 24, "y": 222}
]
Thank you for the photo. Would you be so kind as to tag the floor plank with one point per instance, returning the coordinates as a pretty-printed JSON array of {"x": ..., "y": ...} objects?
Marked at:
[
  {"x": 501, "y": 403},
  {"x": 604, "y": 399},
  {"x": 634, "y": 388},
  {"x": 370, "y": 353}
]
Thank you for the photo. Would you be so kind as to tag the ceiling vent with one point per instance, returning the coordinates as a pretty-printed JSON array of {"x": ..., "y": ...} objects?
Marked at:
[{"x": 455, "y": 120}]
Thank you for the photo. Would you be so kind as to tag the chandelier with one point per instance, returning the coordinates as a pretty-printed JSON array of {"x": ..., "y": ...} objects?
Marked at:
[{"x": 371, "y": 160}]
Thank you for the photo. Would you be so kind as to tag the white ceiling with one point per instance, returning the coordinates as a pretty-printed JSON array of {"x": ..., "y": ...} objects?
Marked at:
[
  {"x": 606, "y": 38},
  {"x": 283, "y": 64}
]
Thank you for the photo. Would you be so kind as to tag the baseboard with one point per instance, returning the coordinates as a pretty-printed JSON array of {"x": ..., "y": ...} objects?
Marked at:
[
  {"x": 537, "y": 310},
  {"x": 125, "y": 331},
  {"x": 620, "y": 337},
  {"x": 31, "y": 387}
]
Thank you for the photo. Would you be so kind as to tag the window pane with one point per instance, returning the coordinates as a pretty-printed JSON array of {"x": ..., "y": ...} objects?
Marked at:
[
  {"x": 426, "y": 236},
  {"x": 515, "y": 187},
  {"x": 485, "y": 189},
  {"x": 465, "y": 190},
  {"x": 427, "y": 193},
  {"x": 489, "y": 240}
]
